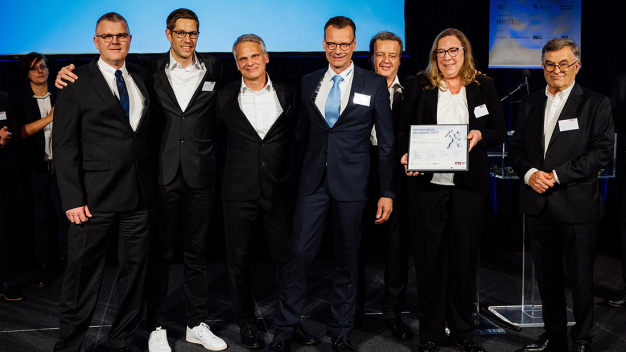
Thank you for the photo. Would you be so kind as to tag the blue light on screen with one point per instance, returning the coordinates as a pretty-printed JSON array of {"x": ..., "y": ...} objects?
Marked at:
[{"x": 67, "y": 27}]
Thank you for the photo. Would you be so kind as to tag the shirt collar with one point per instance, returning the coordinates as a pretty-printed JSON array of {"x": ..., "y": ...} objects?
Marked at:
[
  {"x": 562, "y": 93},
  {"x": 346, "y": 74},
  {"x": 396, "y": 83},
  {"x": 110, "y": 70},
  {"x": 268, "y": 87},
  {"x": 195, "y": 64},
  {"x": 43, "y": 96}
]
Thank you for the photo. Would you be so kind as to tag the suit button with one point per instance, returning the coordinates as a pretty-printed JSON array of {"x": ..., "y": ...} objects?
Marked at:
[
  {"x": 325, "y": 151},
  {"x": 136, "y": 161},
  {"x": 331, "y": 131},
  {"x": 263, "y": 163},
  {"x": 182, "y": 140},
  {"x": 182, "y": 117}
]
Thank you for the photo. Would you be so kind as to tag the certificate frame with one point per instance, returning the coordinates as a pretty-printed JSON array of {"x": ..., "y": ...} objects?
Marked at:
[{"x": 438, "y": 148}]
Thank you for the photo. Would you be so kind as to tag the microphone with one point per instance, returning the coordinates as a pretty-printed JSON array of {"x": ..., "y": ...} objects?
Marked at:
[{"x": 526, "y": 75}]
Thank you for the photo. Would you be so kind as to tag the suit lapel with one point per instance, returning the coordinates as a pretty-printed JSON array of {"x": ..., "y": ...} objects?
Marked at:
[
  {"x": 574, "y": 99},
  {"x": 104, "y": 91},
  {"x": 538, "y": 111},
  {"x": 233, "y": 110},
  {"x": 317, "y": 79},
  {"x": 144, "y": 93},
  {"x": 207, "y": 74},
  {"x": 433, "y": 97},
  {"x": 163, "y": 84},
  {"x": 471, "y": 94},
  {"x": 358, "y": 81}
]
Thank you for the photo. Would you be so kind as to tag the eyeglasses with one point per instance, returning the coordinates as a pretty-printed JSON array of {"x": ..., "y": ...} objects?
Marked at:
[
  {"x": 183, "y": 34},
  {"x": 453, "y": 52},
  {"x": 549, "y": 67},
  {"x": 342, "y": 46},
  {"x": 122, "y": 37},
  {"x": 37, "y": 68}
]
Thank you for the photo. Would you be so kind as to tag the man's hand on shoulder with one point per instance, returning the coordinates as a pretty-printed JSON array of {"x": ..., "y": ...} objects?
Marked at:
[
  {"x": 67, "y": 75},
  {"x": 385, "y": 207},
  {"x": 78, "y": 215}
]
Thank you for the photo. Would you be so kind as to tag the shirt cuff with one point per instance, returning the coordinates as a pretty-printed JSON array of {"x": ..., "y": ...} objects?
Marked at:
[
  {"x": 556, "y": 177},
  {"x": 528, "y": 173}
]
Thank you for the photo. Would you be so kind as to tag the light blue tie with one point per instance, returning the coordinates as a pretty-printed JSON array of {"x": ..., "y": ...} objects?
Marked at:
[{"x": 333, "y": 103}]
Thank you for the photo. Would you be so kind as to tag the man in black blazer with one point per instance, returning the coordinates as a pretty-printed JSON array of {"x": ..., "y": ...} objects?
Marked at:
[
  {"x": 339, "y": 106},
  {"x": 100, "y": 144},
  {"x": 385, "y": 55},
  {"x": 259, "y": 114},
  {"x": 564, "y": 135}
]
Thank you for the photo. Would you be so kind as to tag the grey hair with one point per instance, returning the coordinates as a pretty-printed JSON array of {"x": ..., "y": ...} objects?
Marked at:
[
  {"x": 384, "y": 35},
  {"x": 249, "y": 38},
  {"x": 558, "y": 44}
]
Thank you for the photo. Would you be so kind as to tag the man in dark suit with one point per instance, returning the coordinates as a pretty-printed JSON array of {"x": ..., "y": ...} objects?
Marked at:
[
  {"x": 563, "y": 137},
  {"x": 259, "y": 115},
  {"x": 385, "y": 55},
  {"x": 100, "y": 143},
  {"x": 339, "y": 106},
  {"x": 182, "y": 133}
]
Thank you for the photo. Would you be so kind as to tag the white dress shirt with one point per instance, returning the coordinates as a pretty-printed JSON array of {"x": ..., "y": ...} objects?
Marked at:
[
  {"x": 262, "y": 107},
  {"x": 395, "y": 87},
  {"x": 44, "y": 109},
  {"x": 554, "y": 106},
  {"x": 184, "y": 81},
  {"x": 451, "y": 109},
  {"x": 327, "y": 83},
  {"x": 135, "y": 99}
]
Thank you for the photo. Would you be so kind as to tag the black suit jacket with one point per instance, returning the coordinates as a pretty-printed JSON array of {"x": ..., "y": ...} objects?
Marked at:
[
  {"x": 100, "y": 161},
  {"x": 256, "y": 167},
  {"x": 575, "y": 155},
  {"x": 618, "y": 99},
  {"x": 10, "y": 123},
  {"x": 420, "y": 108},
  {"x": 343, "y": 150},
  {"x": 31, "y": 150},
  {"x": 185, "y": 138}
]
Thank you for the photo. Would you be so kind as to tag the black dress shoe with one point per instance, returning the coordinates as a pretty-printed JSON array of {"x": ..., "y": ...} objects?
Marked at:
[
  {"x": 581, "y": 347},
  {"x": 279, "y": 345},
  {"x": 342, "y": 344},
  {"x": 398, "y": 329},
  {"x": 465, "y": 345},
  {"x": 9, "y": 292},
  {"x": 301, "y": 337},
  {"x": 427, "y": 346},
  {"x": 619, "y": 302},
  {"x": 548, "y": 343},
  {"x": 250, "y": 337}
]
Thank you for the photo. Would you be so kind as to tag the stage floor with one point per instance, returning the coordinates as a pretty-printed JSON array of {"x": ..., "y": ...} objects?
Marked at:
[{"x": 31, "y": 324}]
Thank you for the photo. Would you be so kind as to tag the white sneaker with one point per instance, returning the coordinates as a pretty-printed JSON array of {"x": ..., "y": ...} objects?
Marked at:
[
  {"x": 202, "y": 335},
  {"x": 158, "y": 341}
]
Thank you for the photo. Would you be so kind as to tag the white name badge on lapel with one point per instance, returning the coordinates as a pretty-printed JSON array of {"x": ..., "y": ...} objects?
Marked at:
[
  {"x": 208, "y": 86},
  {"x": 568, "y": 125},
  {"x": 480, "y": 111},
  {"x": 3, "y": 115},
  {"x": 361, "y": 99}
]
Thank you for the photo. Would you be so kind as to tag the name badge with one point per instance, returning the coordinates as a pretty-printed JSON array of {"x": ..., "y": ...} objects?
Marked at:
[
  {"x": 568, "y": 125},
  {"x": 481, "y": 110},
  {"x": 3, "y": 115},
  {"x": 362, "y": 99},
  {"x": 208, "y": 86}
]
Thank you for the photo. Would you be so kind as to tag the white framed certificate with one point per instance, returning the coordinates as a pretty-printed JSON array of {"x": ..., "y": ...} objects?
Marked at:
[{"x": 438, "y": 148}]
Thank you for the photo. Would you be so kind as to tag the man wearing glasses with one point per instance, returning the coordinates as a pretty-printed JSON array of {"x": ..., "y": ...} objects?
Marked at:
[
  {"x": 184, "y": 87},
  {"x": 340, "y": 105},
  {"x": 100, "y": 147},
  {"x": 564, "y": 136}
]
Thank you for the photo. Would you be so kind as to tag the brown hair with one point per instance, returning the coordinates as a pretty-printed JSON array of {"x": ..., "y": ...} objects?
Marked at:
[
  {"x": 112, "y": 17},
  {"x": 385, "y": 36},
  {"x": 177, "y": 15},
  {"x": 29, "y": 60},
  {"x": 340, "y": 22},
  {"x": 468, "y": 72}
]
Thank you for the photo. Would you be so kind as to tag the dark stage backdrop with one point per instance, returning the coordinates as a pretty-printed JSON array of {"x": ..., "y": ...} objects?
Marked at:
[{"x": 603, "y": 54}]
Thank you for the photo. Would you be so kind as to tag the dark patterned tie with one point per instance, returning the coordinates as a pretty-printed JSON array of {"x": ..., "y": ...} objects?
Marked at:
[{"x": 123, "y": 92}]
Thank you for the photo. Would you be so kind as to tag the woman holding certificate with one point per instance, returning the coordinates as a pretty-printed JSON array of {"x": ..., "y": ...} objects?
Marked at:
[{"x": 447, "y": 208}]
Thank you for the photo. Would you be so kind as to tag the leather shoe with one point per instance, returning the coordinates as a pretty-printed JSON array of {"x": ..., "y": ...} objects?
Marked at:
[
  {"x": 465, "y": 345},
  {"x": 619, "y": 302},
  {"x": 342, "y": 344},
  {"x": 547, "y": 342},
  {"x": 427, "y": 346},
  {"x": 301, "y": 337},
  {"x": 580, "y": 347},
  {"x": 279, "y": 345},
  {"x": 9, "y": 292},
  {"x": 250, "y": 337},
  {"x": 398, "y": 329}
]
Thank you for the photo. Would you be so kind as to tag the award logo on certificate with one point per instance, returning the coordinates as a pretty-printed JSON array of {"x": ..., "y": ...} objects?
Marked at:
[{"x": 438, "y": 148}]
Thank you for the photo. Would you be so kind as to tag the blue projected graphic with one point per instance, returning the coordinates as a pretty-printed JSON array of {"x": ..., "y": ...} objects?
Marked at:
[{"x": 67, "y": 27}]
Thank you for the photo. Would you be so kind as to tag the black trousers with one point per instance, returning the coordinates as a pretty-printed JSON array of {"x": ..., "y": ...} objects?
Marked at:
[
  {"x": 446, "y": 226},
  {"x": 87, "y": 252},
  {"x": 309, "y": 222},
  {"x": 551, "y": 241},
  {"x": 178, "y": 202},
  {"x": 47, "y": 198},
  {"x": 240, "y": 220},
  {"x": 395, "y": 237},
  {"x": 623, "y": 227}
]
